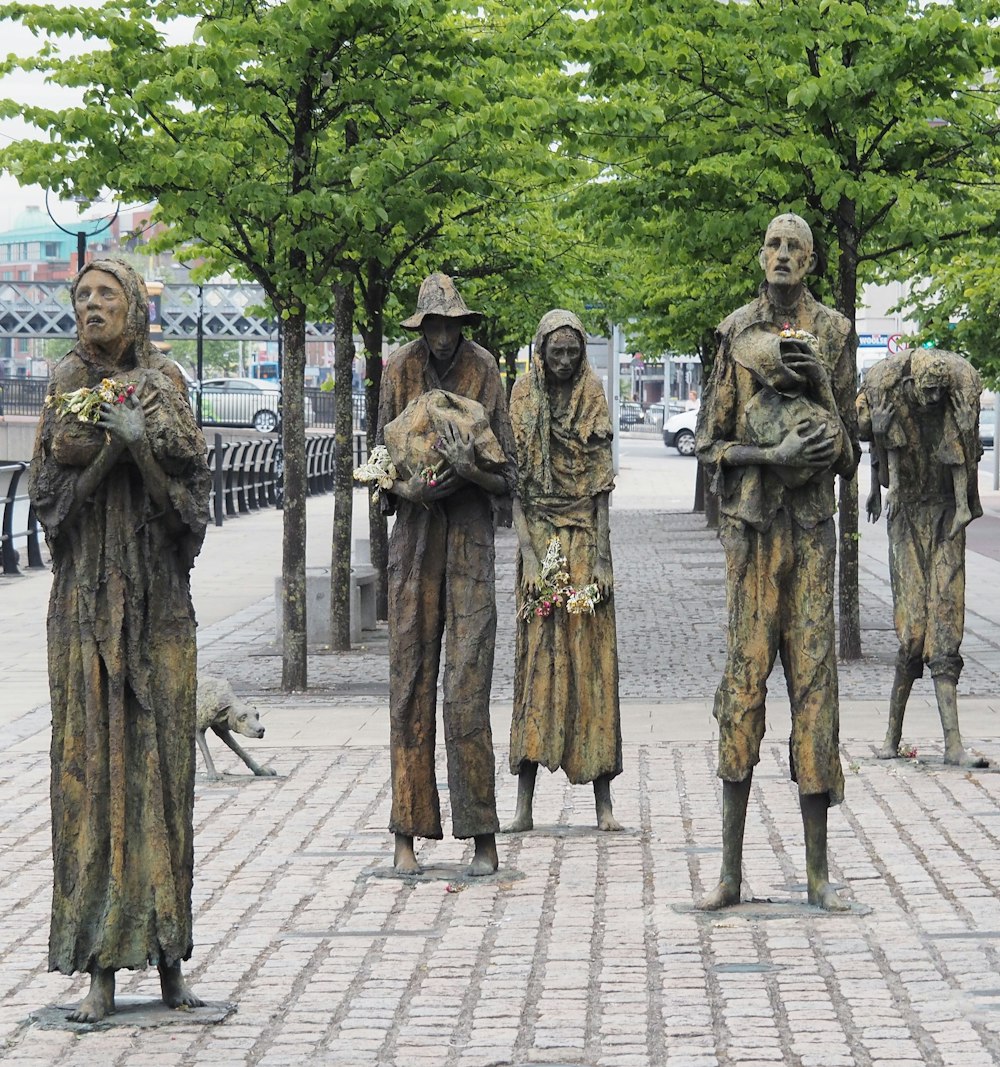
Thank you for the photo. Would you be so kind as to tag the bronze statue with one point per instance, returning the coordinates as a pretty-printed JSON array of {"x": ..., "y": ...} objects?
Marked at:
[
  {"x": 120, "y": 484},
  {"x": 566, "y": 710},
  {"x": 441, "y": 582},
  {"x": 920, "y": 410},
  {"x": 777, "y": 422}
]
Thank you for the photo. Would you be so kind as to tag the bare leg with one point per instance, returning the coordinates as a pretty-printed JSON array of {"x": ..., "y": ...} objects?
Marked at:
[
  {"x": 946, "y": 691},
  {"x": 602, "y": 799},
  {"x": 902, "y": 683},
  {"x": 525, "y": 796},
  {"x": 485, "y": 861},
  {"x": 735, "y": 797},
  {"x": 100, "y": 999},
  {"x": 227, "y": 737},
  {"x": 174, "y": 989},
  {"x": 210, "y": 770},
  {"x": 404, "y": 858},
  {"x": 815, "y": 808}
]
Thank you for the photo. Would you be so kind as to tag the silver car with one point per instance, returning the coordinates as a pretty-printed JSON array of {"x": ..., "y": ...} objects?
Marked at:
[{"x": 243, "y": 402}]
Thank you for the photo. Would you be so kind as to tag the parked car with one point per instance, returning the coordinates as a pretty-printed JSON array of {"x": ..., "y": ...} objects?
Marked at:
[
  {"x": 243, "y": 402},
  {"x": 629, "y": 415},
  {"x": 987, "y": 425},
  {"x": 678, "y": 431}
]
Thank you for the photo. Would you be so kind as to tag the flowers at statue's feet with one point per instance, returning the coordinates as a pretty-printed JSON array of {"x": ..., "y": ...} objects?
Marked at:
[
  {"x": 379, "y": 472},
  {"x": 554, "y": 589},
  {"x": 85, "y": 403}
]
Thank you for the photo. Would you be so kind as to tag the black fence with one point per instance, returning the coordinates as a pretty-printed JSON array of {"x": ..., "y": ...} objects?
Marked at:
[
  {"x": 19, "y": 532},
  {"x": 22, "y": 396},
  {"x": 246, "y": 476}
]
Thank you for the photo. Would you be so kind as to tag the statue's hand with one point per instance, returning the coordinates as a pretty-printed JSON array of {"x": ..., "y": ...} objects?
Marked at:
[
  {"x": 423, "y": 490},
  {"x": 963, "y": 516},
  {"x": 459, "y": 451},
  {"x": 874, "y": 504},
  {"x": 807, "y": 445},
  {"x": 126, "y": 422},
  {"x": 891, "y": 507},
  {"x": 882, "y": 416},
  {"x": 530, "y": 573},
  {"x": 801, "y": 361},
  {"x": 603, "y": 578}
]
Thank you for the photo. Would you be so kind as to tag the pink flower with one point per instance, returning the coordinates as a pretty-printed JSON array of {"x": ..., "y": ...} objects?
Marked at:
[{"x": 121, "y": 398}]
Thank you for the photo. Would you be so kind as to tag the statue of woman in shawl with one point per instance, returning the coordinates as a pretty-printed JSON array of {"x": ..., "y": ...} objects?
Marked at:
[
  {"x": 566, "y": 710},
  {"x": 121, "y": 489}
]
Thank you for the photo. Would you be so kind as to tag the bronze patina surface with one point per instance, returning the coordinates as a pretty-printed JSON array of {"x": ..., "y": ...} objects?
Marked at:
[
  {"x": 920, "y": 410},
  {"x": 124, "y": 503},
  {"x": 775, "y": 427}
]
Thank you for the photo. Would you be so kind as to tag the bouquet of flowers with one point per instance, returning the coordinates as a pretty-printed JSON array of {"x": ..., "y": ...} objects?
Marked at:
[
  {"x": 85, "y": 403},
  {"x": 789, "y": 333},
  {"x": 379, "y": 472},
  {"x": 555, "y": 591}
]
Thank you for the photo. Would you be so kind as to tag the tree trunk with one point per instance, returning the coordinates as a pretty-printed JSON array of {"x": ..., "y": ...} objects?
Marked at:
[
  {"x": 293, "y": 547},
  {"x": 373, "y": 333},
  {"x": 847, "y": 299},
  {"x": 343, "y": 478},
  {"x": 850, "y": 608}
]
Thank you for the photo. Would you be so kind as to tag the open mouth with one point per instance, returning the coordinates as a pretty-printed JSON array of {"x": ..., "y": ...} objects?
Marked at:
[{"x": 95, "y": 320}]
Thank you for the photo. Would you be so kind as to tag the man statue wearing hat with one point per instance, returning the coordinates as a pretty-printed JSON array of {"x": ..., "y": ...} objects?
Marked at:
[
  {"x": 776, "y": 423},
  {"x": 441, "y": 581},
  {"x": 920, "y": 410}
]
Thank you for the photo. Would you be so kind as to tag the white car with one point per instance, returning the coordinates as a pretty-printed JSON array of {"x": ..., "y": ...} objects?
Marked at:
[
  {"x": 678, "y": 431},
  {"x": 243, "y": 402}
]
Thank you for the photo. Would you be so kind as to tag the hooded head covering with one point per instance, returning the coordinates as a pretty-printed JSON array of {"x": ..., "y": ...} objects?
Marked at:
[
  {"x": 571, "y": 441},
  {"x": 438, "y": 296},
  {"x": 137, "y": 316}
]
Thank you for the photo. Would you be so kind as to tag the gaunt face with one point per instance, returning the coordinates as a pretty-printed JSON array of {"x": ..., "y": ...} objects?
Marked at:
[
  {"x": 102, "y": 309},
  {"x": 563, "y": 352},
  {"x": 441, "y": 334},
  {"x": 787, "y": 255}
]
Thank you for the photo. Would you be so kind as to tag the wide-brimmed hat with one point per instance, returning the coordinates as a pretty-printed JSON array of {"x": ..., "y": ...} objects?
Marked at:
[{"x": 438, "y": 296}]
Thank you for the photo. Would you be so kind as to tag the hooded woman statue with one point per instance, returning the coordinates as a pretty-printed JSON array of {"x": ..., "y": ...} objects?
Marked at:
[
  {"x": 566, "y": 710},
  {"x": 123, "y": 499}
]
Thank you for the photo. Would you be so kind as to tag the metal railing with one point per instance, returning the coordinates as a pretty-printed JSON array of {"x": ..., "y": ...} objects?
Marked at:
[{"x": 19, "y": 531}]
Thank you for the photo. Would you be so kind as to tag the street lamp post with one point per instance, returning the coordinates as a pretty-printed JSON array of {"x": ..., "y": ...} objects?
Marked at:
[{"x": 81, "y": 234}]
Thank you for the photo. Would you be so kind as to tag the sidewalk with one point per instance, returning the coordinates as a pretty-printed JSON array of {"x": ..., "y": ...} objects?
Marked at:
[{"x": 584, "y": 949}]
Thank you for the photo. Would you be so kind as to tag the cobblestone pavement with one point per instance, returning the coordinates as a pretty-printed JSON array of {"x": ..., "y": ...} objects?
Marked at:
[
  {"x": 670, "y": 601},
  {"x": 584, "y": 950}
]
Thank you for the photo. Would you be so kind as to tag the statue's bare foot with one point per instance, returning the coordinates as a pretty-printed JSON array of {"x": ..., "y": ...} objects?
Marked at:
[
  {"x": 100, "y": 999},
  {"x": 958, "y": 757},
  {"x": 724, "y": 895},
  {"x": 887, "y": 751},
  {"x": 521, "y": 823},
  {"x": 175, "y": 991},
  {"x": 825, "y": 896},
  {"x": 485, "y": 861},
  {"x": 607, "y": 821},
  {"x": 404, "y": 859}
]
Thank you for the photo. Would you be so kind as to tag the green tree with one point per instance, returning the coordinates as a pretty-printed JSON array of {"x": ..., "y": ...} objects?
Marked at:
[
  {"x": 874, "y": 119},
  {"x": 262, "y": 141}
]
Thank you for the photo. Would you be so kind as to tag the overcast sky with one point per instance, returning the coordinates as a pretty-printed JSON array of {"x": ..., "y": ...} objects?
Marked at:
[{"x": 20, "y": 86}]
